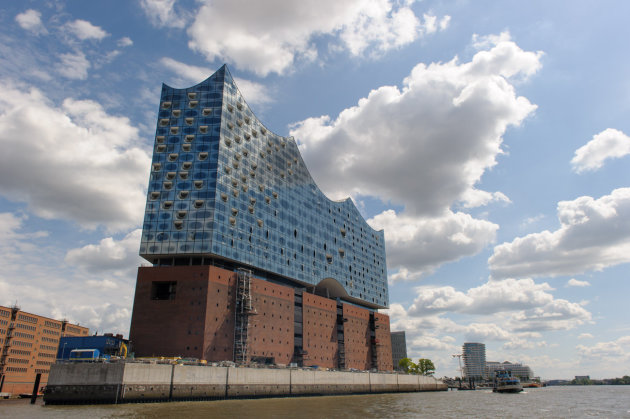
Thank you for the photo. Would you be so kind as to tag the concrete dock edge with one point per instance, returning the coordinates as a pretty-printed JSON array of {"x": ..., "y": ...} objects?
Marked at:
[{"x": 144, "y": 382}]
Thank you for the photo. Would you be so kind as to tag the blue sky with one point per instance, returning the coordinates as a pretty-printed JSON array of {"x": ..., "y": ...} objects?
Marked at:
[{"x": 489, "y": 140}]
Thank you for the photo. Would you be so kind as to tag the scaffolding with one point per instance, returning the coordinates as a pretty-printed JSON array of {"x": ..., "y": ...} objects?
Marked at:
[
  {"x": 244, "y": 308},
  {"x": 4, "y": 349},
  {"x": 341, "y": 342},
  {"x": 373, "y": 341}
]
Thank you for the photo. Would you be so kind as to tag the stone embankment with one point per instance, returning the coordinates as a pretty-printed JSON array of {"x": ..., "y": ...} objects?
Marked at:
[{"x": 139, "y": 382}]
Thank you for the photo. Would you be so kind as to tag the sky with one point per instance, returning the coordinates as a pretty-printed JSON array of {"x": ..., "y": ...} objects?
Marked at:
[{"x": 489, "y": 139}]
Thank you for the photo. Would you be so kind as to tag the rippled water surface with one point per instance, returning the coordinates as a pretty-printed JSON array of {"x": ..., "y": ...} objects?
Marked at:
[{"x": 550, "y": 402}]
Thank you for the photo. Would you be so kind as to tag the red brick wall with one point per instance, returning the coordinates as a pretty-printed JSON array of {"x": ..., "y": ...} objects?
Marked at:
[
  {"x": 175, "y": 327},
  {"x": 199, "y": 322},
  {"x": 357, "y": 337},
  {"x": 383, "y": 342},
  {"x": 271, "y": 329},
  {"x": 218, "y": 336},
  {"x": 319, "y": 331}
]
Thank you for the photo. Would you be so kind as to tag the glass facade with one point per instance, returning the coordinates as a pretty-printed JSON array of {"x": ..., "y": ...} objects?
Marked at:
[
  {"x": 222, "y": 186},
  {"x": 474, "y": 355}
]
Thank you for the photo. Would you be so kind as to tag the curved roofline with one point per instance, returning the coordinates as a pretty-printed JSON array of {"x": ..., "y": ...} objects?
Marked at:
[
  {"x": 337, "y": 290},
  {"x": 225, "y": 68}
]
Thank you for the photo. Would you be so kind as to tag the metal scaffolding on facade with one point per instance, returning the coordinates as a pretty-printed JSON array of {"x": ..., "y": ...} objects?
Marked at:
[
  {"x": 4, "y": 349},
  {"x": 244, "y": 308},
  {"x": 341, "y": 341}
]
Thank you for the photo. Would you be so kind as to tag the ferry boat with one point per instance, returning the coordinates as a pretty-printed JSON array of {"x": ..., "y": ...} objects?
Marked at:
[{"x": 505, "y": 383}]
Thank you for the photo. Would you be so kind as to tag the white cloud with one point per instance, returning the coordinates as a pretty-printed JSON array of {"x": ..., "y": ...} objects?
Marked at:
[
  {"x": 503, "y": 58},
  {"x": 444, "y": 22},
  {"x": 440, "y": 132},
  {"x": 74, "y": 66},
  {"x": 162, "y": 13},
  {"x": 594, "y": 234},
  {"x": 418, "y": 245},
  {"x": 576, "y": 283},
  {"x": 444, "y": 127},
  {"x": 108, "y": 255},
  {"x": 434, "y": 333},
  {"x": 528, "y": 307},
  {"x": 531, "y": 220},
  {"x": 432, "y": 300},
  {"x": 401, "y": 319},
  {"x": 254, "y": 93},
  {"x": 73, "y": 162},
  {"x": 125, "y": 41},
  {"x": 106, "y": 58},
  {"x": 608, "y": 144},
  {"x": 83, "y": 30},
  {"x": 518, "y": 311},
  {"x": 482, "y": 332},
  {"x": 487, "y": 41},
  {"x": 74, "y": 303},
  {"x": 489, "y": 298},
  {"x": 423, "y": 343},
  {"x": 585, "y": 336},
  {"x": 555, "y": 315},
  {"x": 103, "y": 284},
  {"x": 31, "y": 21},
  {"x": 613, "y": 351},
  {"x": 473, "y": 198},
  {"x": 102, "y": 318},
  {"x": 33, "y": 277},
  {"x": 270, "y": 36},
  {"x": 188, "y": 73},
  {"x": 15, "y": 242},
  {"x": 520, "y": 344}
]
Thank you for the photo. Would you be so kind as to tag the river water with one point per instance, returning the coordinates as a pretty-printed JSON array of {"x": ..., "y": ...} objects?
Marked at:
[{"x": 550, "y": 402}]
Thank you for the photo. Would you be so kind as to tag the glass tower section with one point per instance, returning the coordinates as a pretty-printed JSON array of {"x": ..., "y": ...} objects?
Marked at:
[
  {"x": 474, "y": 359},
  {"x": 224, "y": 187}
]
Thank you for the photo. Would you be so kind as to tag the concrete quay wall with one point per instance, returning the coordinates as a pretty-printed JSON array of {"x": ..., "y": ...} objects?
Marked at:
[
  {"x": 137, "y": 382},
  {"x": 76, "y": 383}
]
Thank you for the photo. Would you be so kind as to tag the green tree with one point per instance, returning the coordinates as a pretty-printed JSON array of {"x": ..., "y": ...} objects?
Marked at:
[
  {"x": 407, "y": 365},
  {"x": 581, "y": 382},
  {"x": 425, "y": 367}
]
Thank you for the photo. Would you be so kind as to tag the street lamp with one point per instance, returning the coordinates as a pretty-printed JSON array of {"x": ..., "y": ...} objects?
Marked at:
[{"x": 63, "y": 351}]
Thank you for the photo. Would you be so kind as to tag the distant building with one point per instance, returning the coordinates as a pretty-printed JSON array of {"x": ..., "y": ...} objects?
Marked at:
[
  {"x": 399, "y": 347},
  {"x": 474, "y": 355},
  {"x": 521, "y": 371},
  {"x": 28, "y": 346},
  {"x": 582, "y": 377},
  {"x": 558, "y": 382}
]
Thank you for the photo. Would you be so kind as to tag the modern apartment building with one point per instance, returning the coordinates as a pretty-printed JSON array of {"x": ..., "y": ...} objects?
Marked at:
[
  {"x": 28, "y": 346},
  {"x": 474, "y": 356},
  {"x": 251, "y": 261}
]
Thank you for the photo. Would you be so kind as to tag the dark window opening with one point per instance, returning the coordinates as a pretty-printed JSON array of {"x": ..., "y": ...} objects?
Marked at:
[{"x": 163, "y": 290}]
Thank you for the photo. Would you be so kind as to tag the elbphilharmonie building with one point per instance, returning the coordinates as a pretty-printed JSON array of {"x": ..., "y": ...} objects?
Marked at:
[{"x": 251, "y": 262}]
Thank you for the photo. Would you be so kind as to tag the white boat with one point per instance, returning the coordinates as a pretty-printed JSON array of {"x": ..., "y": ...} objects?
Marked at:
[{"x": 505, "y": 383}]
